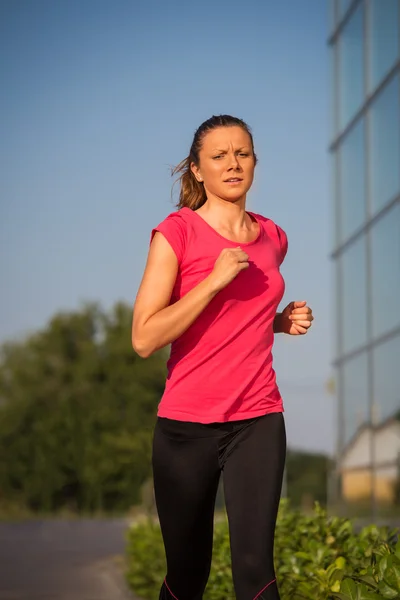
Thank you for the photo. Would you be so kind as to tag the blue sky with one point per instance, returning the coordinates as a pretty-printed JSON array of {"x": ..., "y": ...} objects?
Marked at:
[{"x": 99, "y": 98}]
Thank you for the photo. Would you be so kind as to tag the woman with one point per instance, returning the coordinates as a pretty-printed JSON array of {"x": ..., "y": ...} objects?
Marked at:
[{"x": 211, "y": 288}]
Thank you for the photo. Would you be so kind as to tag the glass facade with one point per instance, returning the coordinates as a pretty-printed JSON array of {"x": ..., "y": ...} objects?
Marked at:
[
  {"x": 386, "y": 381},
  {"x": 355, "y": 395},
  {"x": 385, "y": 262},
  {"x": 365, "y": 146},
  {"x": 384, "y": 166},
  {"x": 383, "y": 30},
  {"x": 351, "y": 66},
  {"x": 353, "y": 204},
  {"x": 353, "y": 275}
]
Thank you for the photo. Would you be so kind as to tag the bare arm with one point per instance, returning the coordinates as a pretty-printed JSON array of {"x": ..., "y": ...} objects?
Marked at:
[{"x": 155, "y": 322}]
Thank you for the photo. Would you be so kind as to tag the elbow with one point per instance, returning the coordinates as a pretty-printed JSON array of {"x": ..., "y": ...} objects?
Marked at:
[
  {"x": 141, "y": 348},
  {"x": 142, "y": 351},
  {"x": 143, "y": 344}
]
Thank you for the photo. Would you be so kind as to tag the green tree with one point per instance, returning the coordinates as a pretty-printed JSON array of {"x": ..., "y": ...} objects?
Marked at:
[
  {"x": 77, "y": 406},
  {"x": 307, "y": 474}
]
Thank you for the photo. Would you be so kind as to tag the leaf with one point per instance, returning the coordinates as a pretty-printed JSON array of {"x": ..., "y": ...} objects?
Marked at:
[
  {"x": 396, "y": 574},
  {"x": 365, "y": 594},
  {"x": 387, "y": 592},
  {"x": 303, "y": 555},
  {"x": 335, "y": 574},
  {"x": 382, "y": 566},
  {"x": 369, "y": 580},
  {"x": 340, "y": 562},
  {"x": 349, "y": 587},
  {"x": 351, "y": 591}
]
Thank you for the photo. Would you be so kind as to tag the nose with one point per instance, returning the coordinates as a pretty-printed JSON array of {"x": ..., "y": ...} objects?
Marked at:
[{"x": 234, "y": 162}]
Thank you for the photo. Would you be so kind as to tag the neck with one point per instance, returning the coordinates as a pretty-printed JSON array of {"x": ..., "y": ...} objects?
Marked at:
[{"x": 222, "y": 212}]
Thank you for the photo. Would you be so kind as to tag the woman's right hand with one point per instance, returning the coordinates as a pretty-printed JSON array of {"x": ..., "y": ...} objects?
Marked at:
[
  {"x": 227, "y": 266},
  {"x": 156, "y": 322}
]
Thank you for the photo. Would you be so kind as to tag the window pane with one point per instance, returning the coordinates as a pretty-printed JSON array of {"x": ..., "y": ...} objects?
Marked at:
[
  {"x": 385, "y": 258},
  {"x": 337, "y": 307},
  {"x": 334, "y": 58},
  {"x": 334, "y": 186},
  {"x": 386, "y": 379},
  {"x": 343, "y": 7},
  {"x": 352, "y": 66},
  {"x": 332, "y": 14},
  {"x": 354, "y": 302},
  {"x": 352, "y": 175},
  {"x": 384, "y": 24},
  {"x": 385, "y": 145},
  {"x": 355, "y": 395}
]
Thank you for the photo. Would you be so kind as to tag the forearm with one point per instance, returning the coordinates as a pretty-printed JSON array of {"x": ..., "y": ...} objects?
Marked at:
[{"x": 171, "y": 322}]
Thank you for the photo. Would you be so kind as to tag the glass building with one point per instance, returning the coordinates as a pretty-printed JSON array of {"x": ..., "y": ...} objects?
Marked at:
[{"x": 365, "y": 151}]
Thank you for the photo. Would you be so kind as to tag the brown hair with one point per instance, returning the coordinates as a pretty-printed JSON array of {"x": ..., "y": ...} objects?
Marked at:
[{"x": 192, "y": 193}]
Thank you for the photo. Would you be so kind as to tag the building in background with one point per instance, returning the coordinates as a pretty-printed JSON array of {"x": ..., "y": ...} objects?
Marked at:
[{"x": 365, "y": 152}]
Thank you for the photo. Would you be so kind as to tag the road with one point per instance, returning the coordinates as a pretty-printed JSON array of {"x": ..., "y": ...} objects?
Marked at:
[{"x": 62, "y": 560}]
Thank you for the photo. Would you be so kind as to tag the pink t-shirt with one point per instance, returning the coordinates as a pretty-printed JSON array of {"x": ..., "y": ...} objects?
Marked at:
[{"x": 220, "y": 369}]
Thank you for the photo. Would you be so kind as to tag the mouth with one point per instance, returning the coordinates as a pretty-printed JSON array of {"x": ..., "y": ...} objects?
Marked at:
[{"x": 233, "y": 180}]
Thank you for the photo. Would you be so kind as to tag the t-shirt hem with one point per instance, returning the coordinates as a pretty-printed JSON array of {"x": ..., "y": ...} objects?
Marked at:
[{"x": 222, "y": 418}]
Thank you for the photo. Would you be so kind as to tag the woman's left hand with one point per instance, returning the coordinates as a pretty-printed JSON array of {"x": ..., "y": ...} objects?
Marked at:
[{"x": 296, "y": 318}]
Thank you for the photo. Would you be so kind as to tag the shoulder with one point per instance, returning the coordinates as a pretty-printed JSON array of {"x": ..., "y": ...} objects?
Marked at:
[
  {"x": 174, "y": 229},
  {"x": 177, "y": 218},
  {"x": 275, "y": 232}
]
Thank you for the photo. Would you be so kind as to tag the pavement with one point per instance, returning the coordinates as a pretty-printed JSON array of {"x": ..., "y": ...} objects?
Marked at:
[{"x": 79, "y": 559}]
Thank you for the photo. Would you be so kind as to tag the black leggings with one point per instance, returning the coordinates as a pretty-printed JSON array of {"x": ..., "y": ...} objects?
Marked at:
[{"x": 188, "y": 459}]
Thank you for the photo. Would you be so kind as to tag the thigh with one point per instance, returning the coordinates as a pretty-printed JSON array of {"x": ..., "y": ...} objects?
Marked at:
[
  {"x": 253, "y": 476},
  {"x": 186, "y": 475}
]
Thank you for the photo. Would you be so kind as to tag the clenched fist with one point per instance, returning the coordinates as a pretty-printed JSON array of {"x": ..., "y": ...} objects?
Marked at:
[
  {"x": 296, "y": 318},
  {"x": 227, "y": 266}
]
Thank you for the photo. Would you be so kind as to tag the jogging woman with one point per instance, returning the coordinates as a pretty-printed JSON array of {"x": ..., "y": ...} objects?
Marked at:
[{"x": 211, "y": 288}]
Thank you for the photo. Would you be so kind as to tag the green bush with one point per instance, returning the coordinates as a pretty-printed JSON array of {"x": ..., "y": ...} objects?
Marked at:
[{"x": 317, "y": 558}]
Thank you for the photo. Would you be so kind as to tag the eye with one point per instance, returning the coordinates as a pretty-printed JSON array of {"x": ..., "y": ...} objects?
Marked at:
[
  {"x": 244, "y": 154},
  {"x": 218, "y": 156}
]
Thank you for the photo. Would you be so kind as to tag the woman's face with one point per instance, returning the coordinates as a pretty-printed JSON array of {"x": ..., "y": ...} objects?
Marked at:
[{"x": 226, "y": 163}]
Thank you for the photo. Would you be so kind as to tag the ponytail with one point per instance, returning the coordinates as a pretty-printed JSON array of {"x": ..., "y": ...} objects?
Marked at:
[{"x": 192, "y": 193}]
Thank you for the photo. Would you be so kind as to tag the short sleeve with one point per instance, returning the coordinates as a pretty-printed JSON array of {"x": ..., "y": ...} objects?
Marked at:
[
  {"x": 174, "y": 229},
  {"x": 276, "y": 234},
  {"x": 283, "y": 242}
]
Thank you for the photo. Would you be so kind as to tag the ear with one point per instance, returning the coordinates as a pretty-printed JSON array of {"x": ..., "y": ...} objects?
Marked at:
[{"x": 196, "y": 172}]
